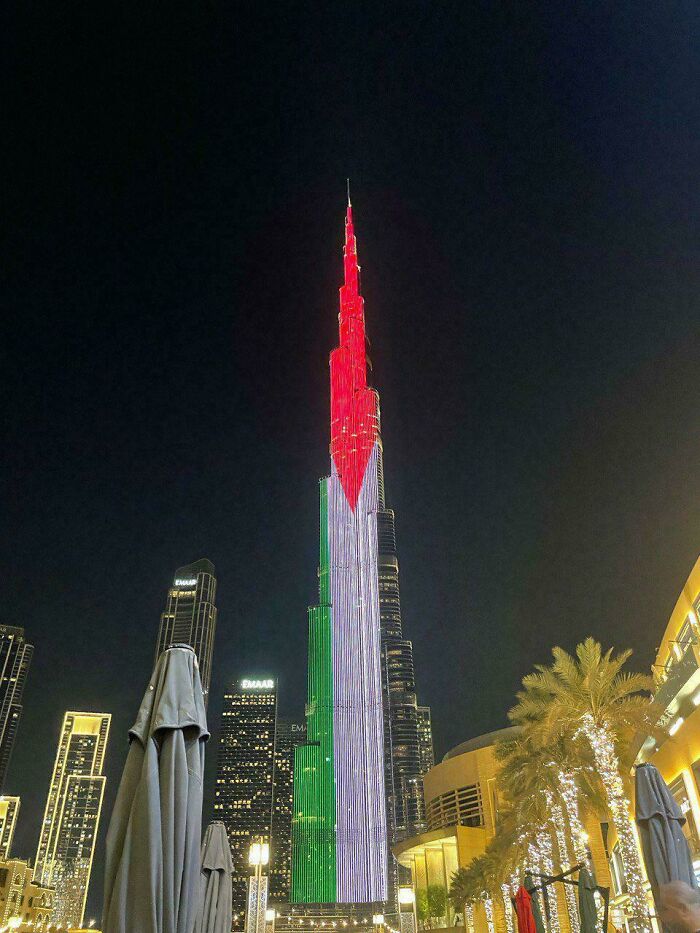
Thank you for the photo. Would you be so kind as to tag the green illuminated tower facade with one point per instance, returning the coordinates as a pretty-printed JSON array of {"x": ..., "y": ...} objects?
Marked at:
[{"x": 313, "y": 827}]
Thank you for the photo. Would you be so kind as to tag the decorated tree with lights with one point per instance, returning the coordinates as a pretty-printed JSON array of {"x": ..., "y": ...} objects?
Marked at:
[
  {"x": 490, "y": 876},
  {"x": 530, "y": 820},
  {"x": 560, "y": 768},
  {"x": 541, "y": 784},
  {"x": 473, "y": 884},
  {"x": 589, "y": 698}
]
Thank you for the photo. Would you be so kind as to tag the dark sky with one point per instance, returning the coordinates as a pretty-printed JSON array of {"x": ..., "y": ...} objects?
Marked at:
[{"x": 525, "y": 185}]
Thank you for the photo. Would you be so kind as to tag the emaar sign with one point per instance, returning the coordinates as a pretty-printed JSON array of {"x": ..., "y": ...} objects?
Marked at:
[{"x": 257, "y": 684}]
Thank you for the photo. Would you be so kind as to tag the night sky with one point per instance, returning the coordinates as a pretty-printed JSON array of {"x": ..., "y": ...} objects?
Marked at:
[{"x": 525, "y": 188}]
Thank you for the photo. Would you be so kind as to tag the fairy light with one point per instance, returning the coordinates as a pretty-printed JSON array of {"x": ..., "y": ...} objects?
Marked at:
[
  {"x": 569, "y": 794},
  {"x": 515, "y": 877},
  {"x": 608, "y": 767},
  {"x": 488, "y": 908},
  {"x": 557, "y": 820},
  {"x": 544, "y": 845},
  {"x": 507, "y": 907},
  {"x": 469, "y": 917},
  {"x": 532, "y": 854}
]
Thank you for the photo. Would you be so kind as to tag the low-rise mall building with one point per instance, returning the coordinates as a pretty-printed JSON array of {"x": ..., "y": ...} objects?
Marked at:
[{"x": 676, "y": 751}]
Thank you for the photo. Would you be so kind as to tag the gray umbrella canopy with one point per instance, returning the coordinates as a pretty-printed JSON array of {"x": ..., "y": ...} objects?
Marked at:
[
  {"x": 152, "y": 862},
  {"x": 587, "y": 909},
  {"x": 659, "y": 818},
  {"x": 215, "y": 884}
]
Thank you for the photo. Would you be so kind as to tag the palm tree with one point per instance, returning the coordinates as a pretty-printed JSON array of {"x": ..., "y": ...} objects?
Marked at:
[
  {"x": 588, "y": 696},
  {"x": 563, "y": 769},
  {"x": 544, "y": 781},
  {"x": 476, "y": 883},
  {"x": 529, "y": 777},
  {"x": 468, "y": 884}
]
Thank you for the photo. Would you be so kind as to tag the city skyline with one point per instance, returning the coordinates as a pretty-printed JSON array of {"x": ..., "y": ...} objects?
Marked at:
[{"x": 529, "y": 203}]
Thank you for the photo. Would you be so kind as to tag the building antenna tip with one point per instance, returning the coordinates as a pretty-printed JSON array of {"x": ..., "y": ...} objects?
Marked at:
[{"x": 348, "y": 184}]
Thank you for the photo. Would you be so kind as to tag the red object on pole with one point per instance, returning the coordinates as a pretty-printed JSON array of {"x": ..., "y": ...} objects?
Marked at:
[{"x": 523, "y": 910}]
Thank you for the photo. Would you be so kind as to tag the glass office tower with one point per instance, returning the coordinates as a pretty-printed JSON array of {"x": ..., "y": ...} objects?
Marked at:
[{"x": 190, "y": 616}]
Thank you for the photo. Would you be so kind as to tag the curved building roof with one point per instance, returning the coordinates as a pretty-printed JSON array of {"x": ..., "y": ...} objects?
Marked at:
[{"x": 482, "y": 741}]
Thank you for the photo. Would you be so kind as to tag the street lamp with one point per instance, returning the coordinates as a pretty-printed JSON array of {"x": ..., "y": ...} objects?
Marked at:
[
  {"x": 259, "y": 854},
  {"x": 408, "y": 919},
  {"x": 258, "y": 857}
]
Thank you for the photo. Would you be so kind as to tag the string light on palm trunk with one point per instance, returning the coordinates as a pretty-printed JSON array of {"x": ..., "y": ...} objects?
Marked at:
[
  {"x": 544, "y": 846},
  {"x": 533, "y": 854},
  {"x": 564, "y": 861},
  {"x": 608, "y": 767},
  {"x": 569, "y": 794},
  {"x": 507, "y": 907},
  {"x": 469, "y": 917},
  {"x": 488, "y": 908}
]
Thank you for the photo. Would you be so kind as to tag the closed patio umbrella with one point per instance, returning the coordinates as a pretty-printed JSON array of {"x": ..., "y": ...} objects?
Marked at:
[
  {"x": 659, "y": 819},
  {"x": 587, "y": 908},
  {"x": 523, "y": 911},
  {"x": 215, "y": 883},
  {"x": 153, "y": 842}
]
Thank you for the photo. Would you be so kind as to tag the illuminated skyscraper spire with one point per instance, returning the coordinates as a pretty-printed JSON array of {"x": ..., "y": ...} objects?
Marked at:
[
  {"x": 339, "y": 833},
  {"x": 351, "y": 791},
  {"x": 354, "y": 415}
]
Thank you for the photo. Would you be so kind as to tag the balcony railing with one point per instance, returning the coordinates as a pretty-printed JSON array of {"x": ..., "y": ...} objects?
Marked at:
[{"x": 678, "y": 676}]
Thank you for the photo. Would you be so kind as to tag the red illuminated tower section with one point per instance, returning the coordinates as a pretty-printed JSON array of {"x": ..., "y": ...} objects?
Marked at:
[{"x": 354, "y": 418}]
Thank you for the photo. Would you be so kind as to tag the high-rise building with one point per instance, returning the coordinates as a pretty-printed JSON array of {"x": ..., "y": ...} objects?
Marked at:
[
  {"x": 288, "y": 735},
  {"x": 425, "y": 740},
  {"x": 402, "y": 745},
  {"x": 243, "y": 798},
  {"x": 15, "y": 658},
  {"x": 190, "y": 616},
  {"x": 9, "y": 811},
  {"x": 72, "y": 814},
  {"x": 357, "y": 785}
]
